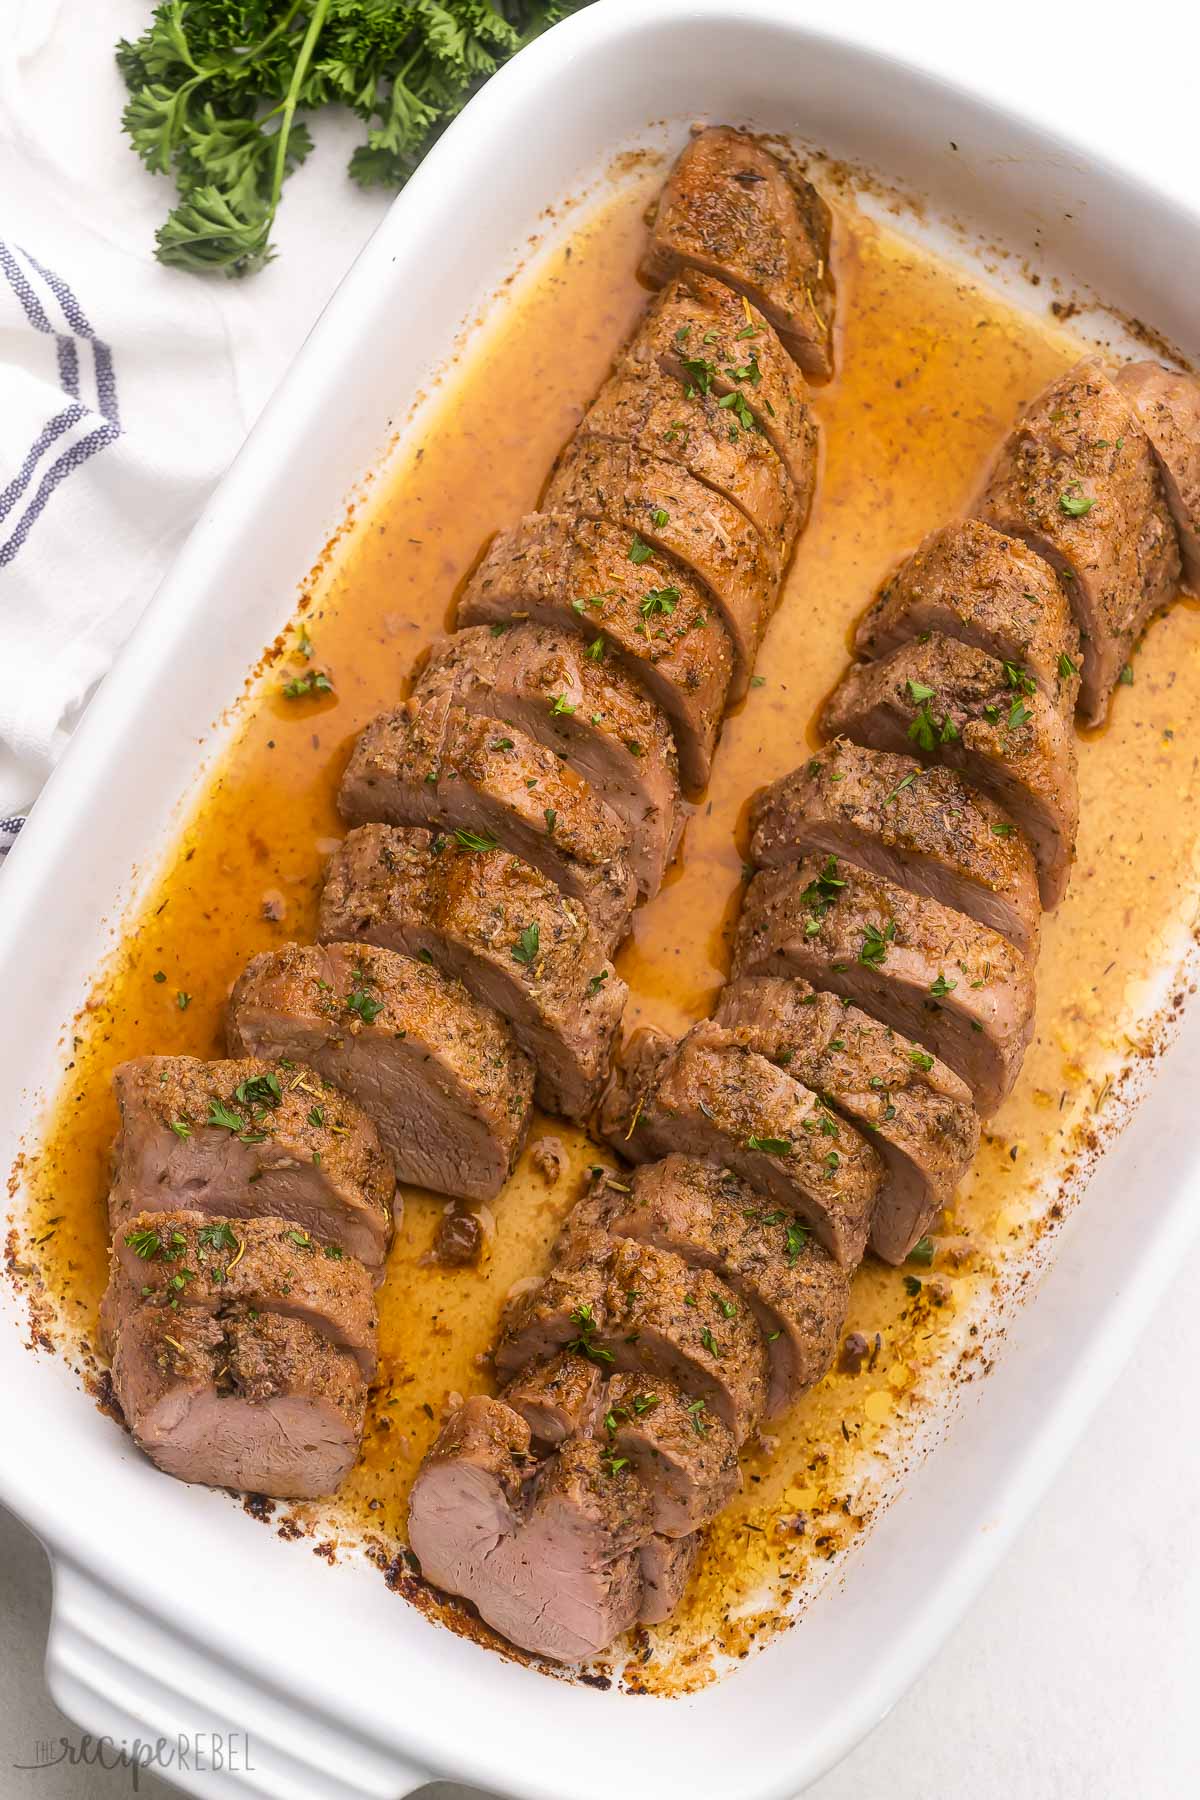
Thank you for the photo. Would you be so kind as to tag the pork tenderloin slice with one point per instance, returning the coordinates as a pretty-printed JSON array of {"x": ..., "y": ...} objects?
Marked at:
[
  {"x": 918, "y": 1111},
  {"x": 265, "y": 1405},
  {"x": 969, "y": 582},
  {"x": 501, "y": 928},
  {"x": 666, "y": 1565},
  {"x": 681, "y": 1449},
  {"x": 662, "y": 508},
  {"x": 631, "y": 1307},
  {"x": 769, "y": 1258},
  {"x": 923, "y": 828},
  {"x": 234, "y": 1267},
  {"x": 952, "y": 704},
  {"x": 698, "y": 330},
  {"x": 251, "y": 1139},
  {"x": 1168, "y": 407},
  {"x": 437, "y": 1072},
  {"x": 660, "y": 628},
  {"x": 558, "y": 1399},
  {"x": 433, "y": 764},
  {"x": 731, "y": 209},
  {"x": 719, "y": 444},
  {"x": 550, "y": 1561},
  {"x": 1078, "y": 481},
  {"x": 583, "y": 707},
  {"x": 957, "y": 989},
  {"x": 714, "y": 1099},
  {"x": 629, "y": 1086}
]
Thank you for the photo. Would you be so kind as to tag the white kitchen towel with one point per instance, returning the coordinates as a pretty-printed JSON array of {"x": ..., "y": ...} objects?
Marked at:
[{"x": 125, "y": 388}]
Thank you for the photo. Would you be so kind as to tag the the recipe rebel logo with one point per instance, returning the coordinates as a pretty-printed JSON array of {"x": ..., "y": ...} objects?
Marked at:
[{"x": 201, "y": 1753}]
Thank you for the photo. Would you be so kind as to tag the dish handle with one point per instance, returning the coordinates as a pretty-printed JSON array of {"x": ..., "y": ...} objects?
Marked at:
[{"x": 151, "y": 1699}]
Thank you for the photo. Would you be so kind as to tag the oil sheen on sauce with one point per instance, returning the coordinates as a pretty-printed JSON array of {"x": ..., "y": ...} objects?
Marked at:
[{"x": 932, "y": 368}]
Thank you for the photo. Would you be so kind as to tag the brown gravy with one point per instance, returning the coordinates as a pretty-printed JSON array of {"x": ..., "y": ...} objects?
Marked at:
[{"x": 933, "y": 366}]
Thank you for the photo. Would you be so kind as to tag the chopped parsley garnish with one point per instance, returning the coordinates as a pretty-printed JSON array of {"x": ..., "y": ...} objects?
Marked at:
[
  {"x": 710, "y": 1343},
  {"x": 181, "y": 1128},
  {"x": 145, "y": 1244},
  {"x": 1074, "y": 504},
  {"x": 525, "y": 949},
  {"x": 694, "y": 1410},
  {"x": 639, "y": 552},
  {"x": 311, "y": 682},
  {"x": 1126, "y": 676},
  {"x": 941, "y": 986},
  {"x": 820, "y": 895},
  {"x": 773, "y": 1146},
  {"x": 1004, "y": 828},
  {"x": 660, "y": 517},
  {"x": 921, "y": 1058},
  {"x": 596, "y": 983},
  {"x": 359, "y": 1001},
  {"x": 182, "y": 1000},
  {"x": 873, "y": 952},
  {"x": 475, "y": 840},
  {"x": 560, "y": 704},
  {"x": 585, "y": 1344},
  {"x": 217, "y": 1237},
  {"x": 700, "y": 375},
  {"x": 1019, "y": 678},
  {"x": 796, "y": 1238},
  {"x": 922, "y": 1251},
  {"x": 659, "y": 600},
  {"x": 1066, "y": 668},
  {"x": 219, "y": 1114},
  {"x": 262, "y": 1090},
  {"x": 1019, "y": 714},
  {"x": 551, "y": 818},
  {"x": 917, "y": 691},
  {"x": 317, "y": 1116},
  {"x": 595, "y": 650}
]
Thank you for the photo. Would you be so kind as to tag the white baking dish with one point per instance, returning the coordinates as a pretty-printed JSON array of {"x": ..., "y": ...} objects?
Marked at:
[{"x": 172, "y": 1611}]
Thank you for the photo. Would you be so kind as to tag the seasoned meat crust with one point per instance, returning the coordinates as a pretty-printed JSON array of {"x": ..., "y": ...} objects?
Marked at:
[
  {"x": 433, "y": 764},
  {"x": 683, "y": 1451},
  {"x": 437, "y": 1072},
  {"x": 232, "y": 1268},
  {"x": 558, "y": 1399},
  {"x": 956, "y": 988},
  {"x": 259, "y": 1403},
  {"x": 501, "y": 928},
  {"x": 918, "y": 1111},
  {"x": 586, "y": 709},
  {"x": 1078, "y": 481},
  {"x": 950, "y": 703},
  {"x": 251, "y": 1139},
  {"x": 922, "y": 827},
  {"x": 659, "y": 505},
  {"x": 634, "y": 1308},
  {"x": 686, "y": 423},
  {"x": 700, "y": 331},
  {"x": 655, "y": 619},
  {"x": 732, "y": 210},
  {"x": 969, "y": 582},
  {"x": 713, "y": 1098},
  {"x": 770, "y": 1260},
  {"x": 1168, "y": 406}
]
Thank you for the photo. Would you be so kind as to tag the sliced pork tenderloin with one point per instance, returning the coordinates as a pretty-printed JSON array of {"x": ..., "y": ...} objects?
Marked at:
[
  {"x": 634, "y": 1308},
  {"x": 437, "y": 1072},
  {"x": 918, "y": 1111},
  {"x": 969, "y": 582},
  {"x": 703, "y": 334},
  {"x": 550, "y": 1558},
  {"x": 1168, "y": 407},
  {"x": 765, "y": 1254},
  {"x": 950, "y": 703},
  {"x": 959, "y": 990},
  {"x": 238, "y": 1267},
  {"x": 435, "y": 765},
  {"x": 501, "y": 928},
  {"x": 683, "y": 1451},
  {"x": 558, "y": 1399},
  {"x": 263, "y": 1404},
  {"x": 666, "y": 1565},
  {"x": 1078, "y": 481},
  {"x": 247, "y": 1140},
  {"x": 658, "y": 624},
  {"x": 714, "y": 1099},
  {"x": 731, "y": 209},
  {"x": 583, "y": 707},
  {"x": 923, "y": 828},
  {"x": 721, "y": 446},
  {"x": 671, "y": 518}
]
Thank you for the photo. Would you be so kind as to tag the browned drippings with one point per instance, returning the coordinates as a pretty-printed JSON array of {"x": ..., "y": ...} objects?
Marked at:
[{"x": 932, "y": 369}]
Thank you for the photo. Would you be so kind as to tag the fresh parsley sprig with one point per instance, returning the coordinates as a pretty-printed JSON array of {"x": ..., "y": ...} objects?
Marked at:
[{"x": 216, "y": 88}]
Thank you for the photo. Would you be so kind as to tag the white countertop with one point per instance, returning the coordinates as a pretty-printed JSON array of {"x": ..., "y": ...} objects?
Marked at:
[
  {"x": 1073, "y": 1677},
  {"x": 1076, "y": 1671}
]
